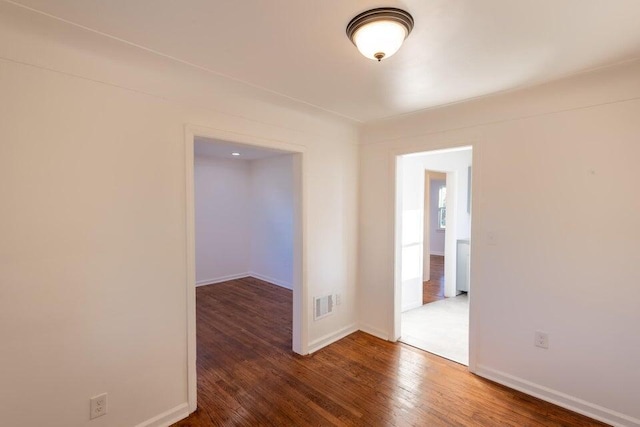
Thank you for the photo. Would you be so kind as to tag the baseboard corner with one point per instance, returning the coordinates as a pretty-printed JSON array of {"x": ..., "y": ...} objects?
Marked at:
[
  {"x": 378, "y": 333},
  {"x": 213, "y": 281},
  {"x": 273, "y": 281},
  {"x": 331, "y": 338},
  {"x": 167, "y": 418},
  {"x": 411, "y": 306}
]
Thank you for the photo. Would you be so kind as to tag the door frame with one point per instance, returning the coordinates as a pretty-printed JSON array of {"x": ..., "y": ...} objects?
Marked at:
[
  {"x": 396, "y": 235},
  {"x": 300, "y": 325}
]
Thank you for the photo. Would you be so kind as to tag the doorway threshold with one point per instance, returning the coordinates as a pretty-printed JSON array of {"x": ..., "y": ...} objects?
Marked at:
[{"x": 440, "y": 327}]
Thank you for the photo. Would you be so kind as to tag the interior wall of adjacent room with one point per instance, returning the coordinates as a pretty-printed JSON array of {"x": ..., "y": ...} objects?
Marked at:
[
  {"x": 457, "y": 161},
  {"x": 93, "y": 266},
  {"x": 543, "y": 157},
  {"x": 271, "y": 220},
  {"x": 222, "y": 217},
  {"x": 413, "y": 250},
  {"x": 436, "y": 235}
]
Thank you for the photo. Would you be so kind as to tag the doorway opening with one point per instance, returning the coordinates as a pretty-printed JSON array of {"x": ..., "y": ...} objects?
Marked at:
[
  {"x": 244, "y": 241},
  {"x": 433, "y": 231}
]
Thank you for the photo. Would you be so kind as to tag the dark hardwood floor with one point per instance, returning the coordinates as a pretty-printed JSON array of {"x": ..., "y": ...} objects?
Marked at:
[
  {"x": 248, "y": 376},
  {"x": 433, "y": 290}
]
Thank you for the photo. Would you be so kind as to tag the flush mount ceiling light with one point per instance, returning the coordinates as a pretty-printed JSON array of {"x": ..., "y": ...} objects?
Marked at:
[
  {"x": 235, "y": 153},
  {"x": 379, "y": 33}
]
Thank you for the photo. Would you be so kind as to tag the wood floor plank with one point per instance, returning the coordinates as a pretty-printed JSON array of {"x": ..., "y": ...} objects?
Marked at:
[
  {"x": 248, "y": 375},
  {"x": 433, "y": 289}
]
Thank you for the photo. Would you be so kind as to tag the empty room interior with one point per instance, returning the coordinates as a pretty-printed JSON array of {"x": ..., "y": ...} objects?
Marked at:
[
  {"x": 244, "y": 213},
  {"x": 319, "y": 213}
]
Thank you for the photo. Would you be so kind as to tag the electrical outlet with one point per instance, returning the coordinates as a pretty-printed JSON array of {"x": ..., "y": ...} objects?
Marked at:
[
  {"x": 98, "y": 406},
  {"x": 541, "y": 339}
]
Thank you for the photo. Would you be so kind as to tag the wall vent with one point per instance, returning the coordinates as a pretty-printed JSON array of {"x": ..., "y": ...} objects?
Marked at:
[{"x": 323, "y": 306}]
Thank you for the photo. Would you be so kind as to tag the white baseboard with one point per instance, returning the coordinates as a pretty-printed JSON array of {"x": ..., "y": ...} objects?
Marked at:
[
  {"x": 281, "y": 283},
  {"x": 558, "y": 398},
  {"x": 412, "y": 306},
  {"x": 378, "y": 333},
  {"x": 437, "y": 253},
  {"x": 167, "y": 418},
  {"x": 331, "y": 338},
  {"x": 205, "y": 282}
]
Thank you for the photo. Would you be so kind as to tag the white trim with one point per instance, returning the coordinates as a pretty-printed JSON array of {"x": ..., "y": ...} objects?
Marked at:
[
  {"x": 281, "y": 283},
  {"x": 192, "y": 375},
  {"x": 167, "y": 418},
  {"x": 476, "y": 218},
  {"x": 412, "y": 306},
  {"x": 324, "y": 341},
  {"x": 426, "y": 230},
  {"x": 378, "y": 333},
  {"x": 205, "y": 282},
  {"x": 437, "y": 253},
  {"x": 572, "y": 403},
  {"x": 450, "y": 237},
  {"x": 396, "y": 244}
]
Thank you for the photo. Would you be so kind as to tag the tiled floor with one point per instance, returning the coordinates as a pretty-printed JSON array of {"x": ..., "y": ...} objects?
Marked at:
[{"x": 440, "y": 327}]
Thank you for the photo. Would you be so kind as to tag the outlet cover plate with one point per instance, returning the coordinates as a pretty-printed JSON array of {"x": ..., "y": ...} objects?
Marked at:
[
  {"x": 541, "y": 339},
  {"x": 98, "y": 406}
]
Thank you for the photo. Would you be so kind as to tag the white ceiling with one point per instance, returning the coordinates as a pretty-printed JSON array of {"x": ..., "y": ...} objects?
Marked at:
[
  {"x": 459, "y": 49},
  {"x": 205, "y": 147}
]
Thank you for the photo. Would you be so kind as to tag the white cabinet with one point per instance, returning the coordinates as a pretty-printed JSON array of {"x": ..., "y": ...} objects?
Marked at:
[{"x": 463, "y": 254}]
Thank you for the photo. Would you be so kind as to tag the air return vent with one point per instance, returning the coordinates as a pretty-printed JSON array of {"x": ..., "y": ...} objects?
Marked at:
[{"x": 323, "y": 306}]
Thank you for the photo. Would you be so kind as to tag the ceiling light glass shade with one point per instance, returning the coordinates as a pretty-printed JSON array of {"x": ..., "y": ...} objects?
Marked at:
[
  {"x": 379, "y": 39},
  {"x": 379, "y": 33}
]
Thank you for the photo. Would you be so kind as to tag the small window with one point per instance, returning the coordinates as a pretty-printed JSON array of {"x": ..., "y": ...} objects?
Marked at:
[{"x": 442, "y": 207}]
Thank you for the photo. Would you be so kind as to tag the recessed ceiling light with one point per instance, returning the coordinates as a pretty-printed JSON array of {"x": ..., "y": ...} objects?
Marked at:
[
  {"x": 235, "y": 154},
  {"x": 379, "y": 33}
]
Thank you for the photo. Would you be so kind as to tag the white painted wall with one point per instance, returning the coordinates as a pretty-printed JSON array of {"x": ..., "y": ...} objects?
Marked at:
[
  {"x": 436, "y": 236},
  {"x": 222, "y": 218},
  {"x": 542, "y": 158},
  {"x": 271, "y": 220},
  {"x": 93, "y": 248}
]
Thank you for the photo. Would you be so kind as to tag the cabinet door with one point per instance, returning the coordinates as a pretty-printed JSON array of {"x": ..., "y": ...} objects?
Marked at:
[{"x": 462, "y": 267}]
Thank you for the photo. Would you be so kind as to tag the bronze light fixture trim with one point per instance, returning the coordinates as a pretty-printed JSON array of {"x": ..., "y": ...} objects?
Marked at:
[{"x": 379, "y": 33}]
